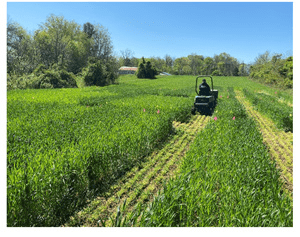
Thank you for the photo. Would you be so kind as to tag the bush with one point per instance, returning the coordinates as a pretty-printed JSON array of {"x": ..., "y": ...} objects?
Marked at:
[
  {"x": 288, "y": 83},
  {"x": 277, "y": 72},
  {"x": 42, "y": 78},
  {"x": 141, "y": 73},
  {"x": 39, "y": 69},
  {"x": 98, "y": 73},
  {"x": 146, "y": 70},
  {"x": 53, "y": 79},
  {"x": 216, "y": 73},
  {"x": 19, "y": 82}
]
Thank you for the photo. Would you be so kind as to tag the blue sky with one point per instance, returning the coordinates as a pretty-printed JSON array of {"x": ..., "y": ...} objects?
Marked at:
[{"x": 242, "y": 29}]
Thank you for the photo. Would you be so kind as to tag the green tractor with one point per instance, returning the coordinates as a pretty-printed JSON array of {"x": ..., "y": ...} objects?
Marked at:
[{"x": 206, "y": 98}]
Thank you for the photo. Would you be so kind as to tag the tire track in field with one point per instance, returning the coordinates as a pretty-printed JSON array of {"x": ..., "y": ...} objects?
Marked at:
[
  {"x": 279, "y": 143},
  {"x": 142, "y": 183}
]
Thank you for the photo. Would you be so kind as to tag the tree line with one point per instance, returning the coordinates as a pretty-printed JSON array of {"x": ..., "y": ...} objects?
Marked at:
[
  {"x": 59, "y": 47},
  {"x": 219, "y": 65},
  {"x": 62, "y": 53},
  {"x": 273, "y": 69}
]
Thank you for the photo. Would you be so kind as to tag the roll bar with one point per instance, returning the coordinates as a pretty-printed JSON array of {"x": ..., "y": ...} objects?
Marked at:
[{"x": 196, "y": 87}]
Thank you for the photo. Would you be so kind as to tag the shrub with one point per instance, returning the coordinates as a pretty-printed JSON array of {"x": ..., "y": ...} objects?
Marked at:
[
  {"x": 18, "y": 82},
  {"x": 53, "y": 79},
  {"x": 216, "y": 73},
  {"x": 39, "y": 69},
  {"x": 98, "y": 73},
  {"x": 146, "y": 70},
  {"x": 141, "y": 73},
  {"x": 277, "y": 72},
  {"x": 43, "y": 78}
]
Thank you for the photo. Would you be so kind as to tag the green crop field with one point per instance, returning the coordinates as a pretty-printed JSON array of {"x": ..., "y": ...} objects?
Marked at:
[{"x": 131, "y": 154}]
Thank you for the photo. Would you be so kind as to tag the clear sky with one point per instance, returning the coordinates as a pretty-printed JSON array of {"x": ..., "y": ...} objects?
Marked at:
[{"x": 242, "y": 29}]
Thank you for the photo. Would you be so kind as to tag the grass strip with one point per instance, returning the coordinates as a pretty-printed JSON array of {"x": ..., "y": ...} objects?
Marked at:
[
  {"x": 227, "y": 179},
  {"x": 143, "y": 189},
  {"x": 137, "y": 189},
  {"x": 156, "y": 184},
  {"x": 281, "y": 114},
  {"x": 279, "y": 145}
]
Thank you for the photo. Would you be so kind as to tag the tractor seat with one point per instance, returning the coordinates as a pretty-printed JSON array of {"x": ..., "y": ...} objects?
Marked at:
[{"x": 204, "y": 91}]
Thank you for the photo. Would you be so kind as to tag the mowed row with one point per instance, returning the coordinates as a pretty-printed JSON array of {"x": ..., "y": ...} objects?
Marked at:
[
  {"x": 279, "y": 143},
  {"x": 142, "y": 183}
]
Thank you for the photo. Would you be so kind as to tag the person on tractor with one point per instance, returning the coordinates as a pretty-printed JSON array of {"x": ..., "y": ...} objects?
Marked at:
[{"x": 204, "y": 88}]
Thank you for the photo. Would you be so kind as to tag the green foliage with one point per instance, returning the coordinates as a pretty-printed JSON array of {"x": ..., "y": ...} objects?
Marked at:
[
  {"x": 146, "y": 70},
  {"x": 57, "y": 41},
  {"x": 43, "y": 78},
  {"x": 98, "y": 73},
  {"x": 227, "y": 179},
  {"x": 192, "y": 64},
  {"x": 94, "y": 74},
  {"x": 287, "y": 72},
  {"x": 216, "y": 73},
  {"x": 141, "y": 72},
  {"x": 39, "y": 69},
  {"x": 275, "y": 71},
  {"x": 89, "y": 29},
  {"x": 19, "y": 82},
  {"x": 279, "y": 112},
  {"x": 64, "y": 145},
  {"x": 127, "y": 59},
  {"x": 242, "y": 71},
  {"x": 181, "y": 66},
  {"x": 20, "y": 50},
  {"x": 52, "y": 78}
]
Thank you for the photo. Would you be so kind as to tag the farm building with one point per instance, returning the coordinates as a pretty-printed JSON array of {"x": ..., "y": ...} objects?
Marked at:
[{"x": 127, "y": 70}]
